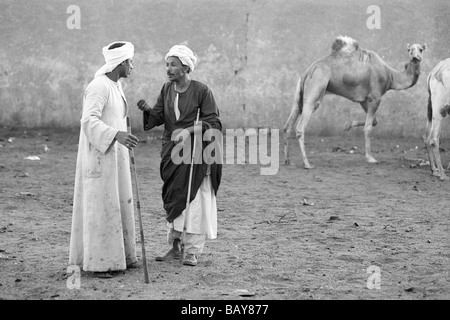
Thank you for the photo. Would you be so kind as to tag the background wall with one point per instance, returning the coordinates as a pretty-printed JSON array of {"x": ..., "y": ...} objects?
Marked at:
[{"x": 251, "y": 53}]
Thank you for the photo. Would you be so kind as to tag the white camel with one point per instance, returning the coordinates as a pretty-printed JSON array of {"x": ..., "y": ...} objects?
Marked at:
[
  {"x": 357, "y": 74},
  {"x": 438, "y": 85}
]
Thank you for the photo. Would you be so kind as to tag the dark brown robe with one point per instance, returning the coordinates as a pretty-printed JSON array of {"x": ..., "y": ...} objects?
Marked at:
[{"x": 176, "y": 176}]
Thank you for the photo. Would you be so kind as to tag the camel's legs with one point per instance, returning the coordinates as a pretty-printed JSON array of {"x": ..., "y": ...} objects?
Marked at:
[
  {"x": 290, "y": 123},
  {"x": 429, "y": 153},
  {"x": 438, "y": 102},
  {"x": 370, "y": 106},
  {"x": 315, "y": 88},
  {"x": 288, "y": 129},
  {"x": 428, "y": 144},
  {"x": 434, "y": 144},
  {"x": 300, "y": 131}
]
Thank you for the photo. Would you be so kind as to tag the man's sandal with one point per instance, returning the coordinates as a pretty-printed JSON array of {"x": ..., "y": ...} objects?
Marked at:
[{"x": 190, "y": 260}]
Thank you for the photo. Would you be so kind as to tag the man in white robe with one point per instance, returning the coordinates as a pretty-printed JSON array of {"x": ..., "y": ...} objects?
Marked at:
[{"x": 103, "y": 226}]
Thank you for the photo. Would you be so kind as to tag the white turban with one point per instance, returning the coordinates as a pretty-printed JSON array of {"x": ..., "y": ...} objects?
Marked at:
[
  {"x": 115, "y": 56},
  {"x": 184, "y": 54}
]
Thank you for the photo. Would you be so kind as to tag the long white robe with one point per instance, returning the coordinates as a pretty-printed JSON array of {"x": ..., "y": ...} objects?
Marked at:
[{"x": 103, "y": 225}]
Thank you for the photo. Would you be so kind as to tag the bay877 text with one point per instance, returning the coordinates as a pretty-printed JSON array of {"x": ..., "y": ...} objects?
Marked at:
[{"x": 246, "y": 309}]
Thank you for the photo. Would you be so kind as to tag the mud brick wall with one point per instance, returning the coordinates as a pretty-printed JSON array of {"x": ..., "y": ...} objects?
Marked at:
[{"x": 251, "y": 53}]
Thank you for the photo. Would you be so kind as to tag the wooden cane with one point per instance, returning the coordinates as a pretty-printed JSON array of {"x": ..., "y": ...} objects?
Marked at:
[
  {"x": 138, "y": 205},
  {"x": 188, "y": 203}
]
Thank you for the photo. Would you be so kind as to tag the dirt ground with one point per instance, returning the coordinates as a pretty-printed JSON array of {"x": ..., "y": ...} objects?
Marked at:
[{"x": 297, "y": 235}]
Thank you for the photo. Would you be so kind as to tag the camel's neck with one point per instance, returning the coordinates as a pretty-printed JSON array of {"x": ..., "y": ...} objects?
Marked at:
[{"x": 406, "y": 78}]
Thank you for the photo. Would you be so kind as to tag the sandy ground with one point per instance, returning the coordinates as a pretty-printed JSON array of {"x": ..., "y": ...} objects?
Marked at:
[{"x": 300, "y": 234}]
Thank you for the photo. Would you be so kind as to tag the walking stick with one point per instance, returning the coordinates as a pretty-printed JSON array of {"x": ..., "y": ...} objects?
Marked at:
[
  {"x": 138, "y": 204},
  {"x": 188, "y": 203}
]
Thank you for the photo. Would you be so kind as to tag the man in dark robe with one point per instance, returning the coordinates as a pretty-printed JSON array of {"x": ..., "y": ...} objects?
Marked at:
[{"x": 180, "y": 101}]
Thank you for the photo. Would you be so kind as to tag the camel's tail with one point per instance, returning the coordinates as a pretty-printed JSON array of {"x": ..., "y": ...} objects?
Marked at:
[
  {"x": 299, "y": 94},
  {"x": 296, "y": 110},
  {"x": 300, "y": 90},
  {"x": 297, "y": 106},
  {"x": 429, "y": 107}
]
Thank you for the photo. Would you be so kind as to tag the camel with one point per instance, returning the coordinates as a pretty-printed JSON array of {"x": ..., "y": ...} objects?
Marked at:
[
  {"x": 354, "y": 73},
  {"x": 438, "y": 85}
]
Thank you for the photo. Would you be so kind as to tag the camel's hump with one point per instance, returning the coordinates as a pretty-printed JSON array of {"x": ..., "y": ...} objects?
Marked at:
[{"x": 344, "y": 44}]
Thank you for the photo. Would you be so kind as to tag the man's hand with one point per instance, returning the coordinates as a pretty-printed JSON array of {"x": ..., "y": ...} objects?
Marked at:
[
  {"x": 128, "y": 140},
  {"x": 143, "y": 106}
]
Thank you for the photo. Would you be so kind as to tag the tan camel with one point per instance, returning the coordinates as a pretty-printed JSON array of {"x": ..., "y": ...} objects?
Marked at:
[
  {"x": 357, "y": 74},
  {"x": 438, "y": 85}
]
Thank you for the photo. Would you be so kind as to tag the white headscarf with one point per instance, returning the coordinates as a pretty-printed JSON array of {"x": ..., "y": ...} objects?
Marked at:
[
  {"x": 115, "y": 56},
  {"x": 184, "y": 54}
]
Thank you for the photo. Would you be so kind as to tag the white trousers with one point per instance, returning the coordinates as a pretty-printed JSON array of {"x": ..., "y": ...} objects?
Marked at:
[{"x": 200, "y": 221}]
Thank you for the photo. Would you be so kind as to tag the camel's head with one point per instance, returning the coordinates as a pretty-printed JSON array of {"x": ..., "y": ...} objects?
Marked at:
[{"x": 416, "y": 52}]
